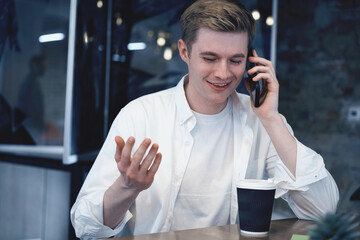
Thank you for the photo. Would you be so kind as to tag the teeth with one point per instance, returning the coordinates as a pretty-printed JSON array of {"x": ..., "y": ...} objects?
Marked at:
[{"x": 219, "y": 85}]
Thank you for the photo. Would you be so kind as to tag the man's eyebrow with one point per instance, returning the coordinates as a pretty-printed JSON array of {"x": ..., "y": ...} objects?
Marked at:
[
  {"x": 208, "y": 54},
  {"x": 237, "y": 55}
]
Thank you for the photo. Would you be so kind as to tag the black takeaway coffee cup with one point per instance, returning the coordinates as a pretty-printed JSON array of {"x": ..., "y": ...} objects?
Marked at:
[{"x": 255, "y": 202}]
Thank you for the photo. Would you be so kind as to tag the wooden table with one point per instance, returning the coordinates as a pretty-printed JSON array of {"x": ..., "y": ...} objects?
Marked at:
[{"x": 279, "y": 230}]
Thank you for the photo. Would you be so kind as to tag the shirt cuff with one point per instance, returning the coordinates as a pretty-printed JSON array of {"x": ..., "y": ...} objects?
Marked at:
[
  {"x": 89, "y": 218},
  {"x": 310, "y": 168}
]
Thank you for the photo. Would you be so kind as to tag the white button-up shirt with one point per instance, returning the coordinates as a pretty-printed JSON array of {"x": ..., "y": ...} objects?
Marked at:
[{"x": 167, "y": 119}]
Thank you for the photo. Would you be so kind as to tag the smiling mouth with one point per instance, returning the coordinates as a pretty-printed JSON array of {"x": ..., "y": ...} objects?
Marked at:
[{"x": 221, "y": 85}]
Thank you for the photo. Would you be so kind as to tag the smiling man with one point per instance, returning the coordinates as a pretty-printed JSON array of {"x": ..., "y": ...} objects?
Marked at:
[
  {"x": 209, "y": 137},
  {"x": 215, "y": 68}
]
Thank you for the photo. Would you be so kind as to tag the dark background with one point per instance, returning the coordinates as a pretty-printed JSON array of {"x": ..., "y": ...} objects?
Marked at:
[{"x": 317, "y": 65}]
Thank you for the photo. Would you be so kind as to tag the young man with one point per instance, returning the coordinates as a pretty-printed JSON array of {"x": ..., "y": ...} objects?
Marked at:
[{"x": 209, "y": 136}]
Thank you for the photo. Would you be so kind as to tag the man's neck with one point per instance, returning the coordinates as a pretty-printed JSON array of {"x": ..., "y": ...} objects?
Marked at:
[{"x": 200, "y": 107}]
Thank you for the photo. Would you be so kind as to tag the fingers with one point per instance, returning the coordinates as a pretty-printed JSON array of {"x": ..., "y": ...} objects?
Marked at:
[
  {"x": 264, "y": 68},
  {"x": 119, "y": 147},
  {"x": 139, "y": 170},
  {"x": 140, "y": 152},
  {"x": 260, "y": 62},
  {"x": 137, "y": 162},
  {"x": 262, "y": 75},
  {"x": 125, "y": 155},
  {"x": 254, "y": 53},
  {"x": 260, "y": 68},
  {"x": 155, "y": 164},
  {"x": 148, "y": 160},
  {"x": 270, "y": 85},
  {"x": 144, "y": 163},
  {"x": 262, "y": 65}
]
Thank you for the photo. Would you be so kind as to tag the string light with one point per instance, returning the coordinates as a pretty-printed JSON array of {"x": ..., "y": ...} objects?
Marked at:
[
  {"x": 256, "y": 14},
  {"x": 168, "y": 53},
  {"x": 99, "y": 4},
  {"x": 86, "y": 38},
  {"x": 136, "y": 46},
  {"x": 269, "y": 21},
  {"x": 51, "y": 37},
  {"x": 119, "y": 21},
  {"x": 161, "y": 41}
]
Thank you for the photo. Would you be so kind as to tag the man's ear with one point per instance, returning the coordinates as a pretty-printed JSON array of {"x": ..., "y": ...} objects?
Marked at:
[{"x": 183, "y": 51}]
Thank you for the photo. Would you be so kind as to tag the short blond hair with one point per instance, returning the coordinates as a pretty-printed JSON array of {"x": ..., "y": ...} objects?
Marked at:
[{"x": 218, "y": 15}]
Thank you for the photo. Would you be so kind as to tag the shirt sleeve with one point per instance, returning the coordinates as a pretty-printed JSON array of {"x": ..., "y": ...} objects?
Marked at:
[
  {"x": 313, "y": 192},
  {"x": 87, "y": 212},
  {"x": 310, "y": 168},
  {"x": 87, "y": 218}
]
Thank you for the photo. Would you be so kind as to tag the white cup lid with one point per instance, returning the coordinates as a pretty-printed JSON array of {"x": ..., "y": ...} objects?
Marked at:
[{"x": 256, "y": 184}]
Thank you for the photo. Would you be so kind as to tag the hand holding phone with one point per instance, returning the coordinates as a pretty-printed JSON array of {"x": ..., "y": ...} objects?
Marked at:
[{"x": 258, "y": 88}]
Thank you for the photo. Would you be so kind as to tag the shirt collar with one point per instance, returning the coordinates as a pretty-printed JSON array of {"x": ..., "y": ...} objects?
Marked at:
[
  {"x": 182, "y": 104},
  {"x": 239, "y": 109},
  {"x": 185, "y": 112}
]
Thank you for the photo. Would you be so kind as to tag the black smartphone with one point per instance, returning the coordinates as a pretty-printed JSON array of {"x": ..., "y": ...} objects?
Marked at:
[{"x": 258, "y": 88}]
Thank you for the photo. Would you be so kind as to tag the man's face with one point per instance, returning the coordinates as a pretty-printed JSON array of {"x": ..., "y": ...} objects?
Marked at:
[{"x": 216, "y": 66}]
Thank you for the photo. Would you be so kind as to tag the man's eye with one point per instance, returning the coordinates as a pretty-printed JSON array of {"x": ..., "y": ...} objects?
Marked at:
[
  {"x": 209, "y": 59},
  {"x": 236, "y": 61}
]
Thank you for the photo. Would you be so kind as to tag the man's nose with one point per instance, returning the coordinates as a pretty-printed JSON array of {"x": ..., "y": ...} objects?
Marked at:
[{"x": 222, "y": 70}]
